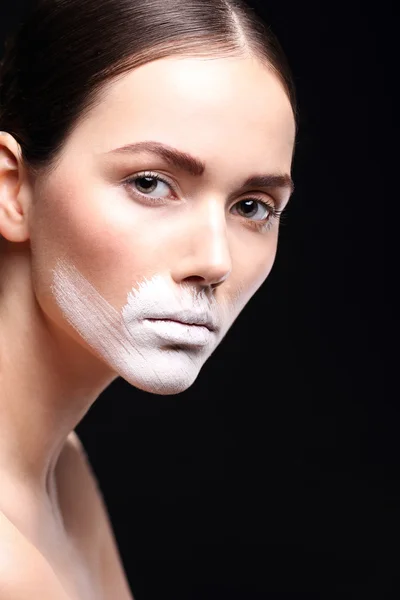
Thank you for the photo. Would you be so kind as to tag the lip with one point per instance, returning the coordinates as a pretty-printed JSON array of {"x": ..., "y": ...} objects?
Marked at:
[
  {"x": 188, "y": 318},
  {"x": 178, "y": 332},
  {"x": 180, "y": 322}
]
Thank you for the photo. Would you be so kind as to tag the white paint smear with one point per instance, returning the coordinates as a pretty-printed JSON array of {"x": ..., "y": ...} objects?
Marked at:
[{"x": 135, "y": 349}]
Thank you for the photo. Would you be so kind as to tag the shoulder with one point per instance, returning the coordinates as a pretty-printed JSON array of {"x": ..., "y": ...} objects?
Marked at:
[
  {"x": 74, "y": 463},
  {"x": 23, "y": 571},
  {"x": 73, "y": 442},
  {"x": 79, "y": 488},
  {"x": 74, "y": 452},
  {"x": 79, "y": 491},
  {"x": 74, "y": 460}
]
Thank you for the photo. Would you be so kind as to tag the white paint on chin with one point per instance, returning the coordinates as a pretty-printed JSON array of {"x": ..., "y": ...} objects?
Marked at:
[{"x": 121, "y": 339}]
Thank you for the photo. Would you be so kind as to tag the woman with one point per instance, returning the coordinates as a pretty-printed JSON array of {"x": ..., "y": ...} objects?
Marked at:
[{"x": 145, "y": 160}]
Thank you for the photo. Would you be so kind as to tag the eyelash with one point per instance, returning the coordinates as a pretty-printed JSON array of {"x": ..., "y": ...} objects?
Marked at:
[{"x": 263, "y": 225}]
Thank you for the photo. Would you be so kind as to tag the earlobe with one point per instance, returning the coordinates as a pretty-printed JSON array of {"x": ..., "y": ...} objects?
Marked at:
[
  {"x": 13, "y": 212},
  {"x": 13, "y": 224}
]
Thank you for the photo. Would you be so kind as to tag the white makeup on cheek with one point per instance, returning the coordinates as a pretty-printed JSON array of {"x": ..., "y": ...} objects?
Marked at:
[{"x": 141, "y": 351}]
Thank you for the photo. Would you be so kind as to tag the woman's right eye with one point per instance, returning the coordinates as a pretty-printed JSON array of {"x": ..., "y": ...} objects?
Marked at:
[{"x": 148, "y": 182}]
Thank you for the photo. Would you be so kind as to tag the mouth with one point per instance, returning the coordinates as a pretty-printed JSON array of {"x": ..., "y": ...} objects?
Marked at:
[
  {"x": 196, "y": 322},
  {"x": 180, "y": 332},
  {"x": 186, "y": 323}
]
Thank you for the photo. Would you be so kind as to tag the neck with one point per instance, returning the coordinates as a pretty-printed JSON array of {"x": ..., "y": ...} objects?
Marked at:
[{"x": 47, "y": 380}]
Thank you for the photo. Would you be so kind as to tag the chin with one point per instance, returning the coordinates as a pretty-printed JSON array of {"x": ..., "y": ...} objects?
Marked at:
[
  {"x": 165, "y": 386},
  {"x": 163, "y": 373}
]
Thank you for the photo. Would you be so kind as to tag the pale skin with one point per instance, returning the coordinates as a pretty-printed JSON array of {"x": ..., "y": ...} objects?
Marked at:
[{"x": 55, "y": 537}]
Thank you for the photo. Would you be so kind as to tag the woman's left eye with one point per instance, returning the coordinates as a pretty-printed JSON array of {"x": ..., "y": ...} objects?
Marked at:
[{"x": 252, "y": 207}]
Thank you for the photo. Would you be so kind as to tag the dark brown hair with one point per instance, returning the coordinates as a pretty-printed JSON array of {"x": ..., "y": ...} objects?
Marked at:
[{"x": 63, "y": 54}]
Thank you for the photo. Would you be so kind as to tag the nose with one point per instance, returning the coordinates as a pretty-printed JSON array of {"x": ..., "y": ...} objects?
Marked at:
[{"x": 204, "y": 254}]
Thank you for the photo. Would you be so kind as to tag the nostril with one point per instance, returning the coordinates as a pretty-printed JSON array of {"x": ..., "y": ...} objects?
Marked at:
[{"x": 195, "y": 278}]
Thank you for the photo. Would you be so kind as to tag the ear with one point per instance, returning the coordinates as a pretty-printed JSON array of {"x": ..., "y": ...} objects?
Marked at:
[{"x": 14, "y": 199}]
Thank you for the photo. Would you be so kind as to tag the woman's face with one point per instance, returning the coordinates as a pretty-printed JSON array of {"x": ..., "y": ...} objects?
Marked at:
[{"x": 127, "y": 245}]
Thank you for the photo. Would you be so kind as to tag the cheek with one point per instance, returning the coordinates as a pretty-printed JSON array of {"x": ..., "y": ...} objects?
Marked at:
[
  {"x": 251, "y": 267},
  {"x": 90, "y": 230}
]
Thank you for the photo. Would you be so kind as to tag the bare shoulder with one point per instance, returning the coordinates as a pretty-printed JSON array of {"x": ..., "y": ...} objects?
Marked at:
[
  {"x": 76, "y": 481},
  {"x": 84, "y": 509},
  {"x": 74, "y": 443},
  {"x": 23, "y": 571},
  {"x": 78, "y": 491}
]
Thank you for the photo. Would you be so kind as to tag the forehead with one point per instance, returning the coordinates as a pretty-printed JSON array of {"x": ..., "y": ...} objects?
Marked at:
[{"x": 208, "y": 106}]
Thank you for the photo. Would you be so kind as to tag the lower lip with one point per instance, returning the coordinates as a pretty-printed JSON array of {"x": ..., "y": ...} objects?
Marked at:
[{"x": 180, "y": 333}]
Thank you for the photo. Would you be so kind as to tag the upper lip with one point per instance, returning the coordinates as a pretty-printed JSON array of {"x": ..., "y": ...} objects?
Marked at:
[{"x": 189, "y": 318}]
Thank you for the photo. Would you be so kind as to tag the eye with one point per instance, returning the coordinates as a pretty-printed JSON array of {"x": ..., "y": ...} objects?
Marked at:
[
  {"x": 252, "y": 207},
  {"x": 148, "y": 182}
]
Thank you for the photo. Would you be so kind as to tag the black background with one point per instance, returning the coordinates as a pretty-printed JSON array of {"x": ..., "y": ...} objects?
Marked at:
[{"x": 276, "y": 475}]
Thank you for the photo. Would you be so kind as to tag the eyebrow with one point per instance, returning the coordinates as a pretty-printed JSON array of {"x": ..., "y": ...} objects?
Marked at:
[{"x": 196, "y": 167}]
